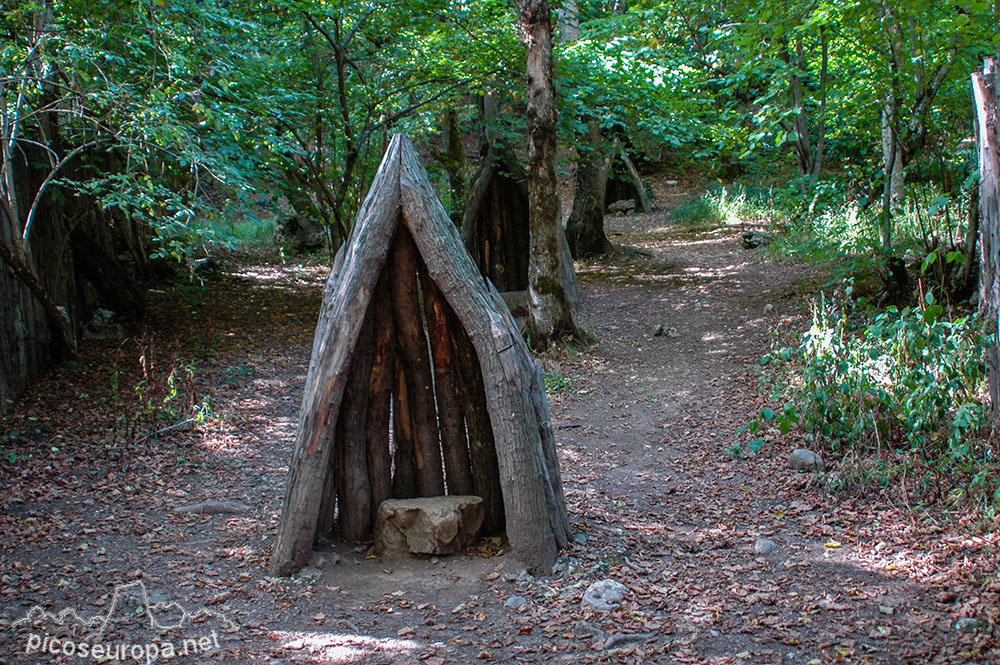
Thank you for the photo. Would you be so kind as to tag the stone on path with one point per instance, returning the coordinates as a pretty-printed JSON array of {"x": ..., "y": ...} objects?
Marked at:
[
  {"x": 764, "y": 546},
  {"x": 515, "y": 603},
  {"x": 604, "y": 595},
  {"x": 427, "y": 525},
  {"x": 805, "y": 460}
]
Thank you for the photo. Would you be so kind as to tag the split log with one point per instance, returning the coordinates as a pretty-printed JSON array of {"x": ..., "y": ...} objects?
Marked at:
[
  {"x": 416, "y": 366},
  {"x": 383, "y": 373},
  {"x": 348, "y": 301},
  {"x": 482, "y": 446},
  {"x": 454, "y": 442},
  {"x": 508, "y": 372},
  {"x": 354, "y": 487},
  {"x": 404, "y": 478}
]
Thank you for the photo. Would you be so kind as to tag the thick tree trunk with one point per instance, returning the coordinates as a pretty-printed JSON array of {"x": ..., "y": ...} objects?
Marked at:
[
  {"x": 585, "y": 227},
  {"x": 985, "y": 87},
  {"x": 551, "y": 313}
]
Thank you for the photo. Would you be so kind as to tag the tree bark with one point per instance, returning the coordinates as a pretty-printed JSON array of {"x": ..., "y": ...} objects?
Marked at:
[
  {"x": 585, "y": 227},
  {"x": 482, "y": 445},
  {"x": 985, "y": 86},
  {"x": 383, "y": 373},
  {"x": 454, "y": 163},
  {"x": 551, "y": 313},
  {"x": 416, "y": 367},
  {"x": 354, "y": 487},
  {"x": 454, "y": 442}
]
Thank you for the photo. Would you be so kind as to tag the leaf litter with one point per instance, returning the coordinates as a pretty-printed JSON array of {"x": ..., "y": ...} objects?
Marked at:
[{"x": 89, "y": 479}]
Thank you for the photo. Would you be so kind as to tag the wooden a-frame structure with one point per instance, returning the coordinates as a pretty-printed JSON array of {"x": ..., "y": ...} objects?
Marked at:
[{"x": 383, "y": 418}]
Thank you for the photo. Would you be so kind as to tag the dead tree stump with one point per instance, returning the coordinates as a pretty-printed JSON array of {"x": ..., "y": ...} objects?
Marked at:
[{"x": 387, "y": 415}]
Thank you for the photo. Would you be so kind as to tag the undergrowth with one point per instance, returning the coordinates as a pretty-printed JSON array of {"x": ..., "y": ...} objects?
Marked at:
[
  {"x": 724, "y": 205},
  {"x": 897, "y": 395}
]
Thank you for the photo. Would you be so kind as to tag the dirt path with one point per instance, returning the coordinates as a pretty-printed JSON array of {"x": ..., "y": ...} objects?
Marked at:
[{"x": 644, "y": 422}]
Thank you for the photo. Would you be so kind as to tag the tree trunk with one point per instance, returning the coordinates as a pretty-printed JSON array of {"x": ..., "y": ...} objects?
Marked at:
[
  {"x": 454, "y": 162},
  {"x": 985, "y": 86},
  {"x": 551, "y": 313},
  {"x": 585, "y": 228}
]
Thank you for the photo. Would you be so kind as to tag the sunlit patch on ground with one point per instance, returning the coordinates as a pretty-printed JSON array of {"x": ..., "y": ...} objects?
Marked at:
[{"x": 336, "y": 648}]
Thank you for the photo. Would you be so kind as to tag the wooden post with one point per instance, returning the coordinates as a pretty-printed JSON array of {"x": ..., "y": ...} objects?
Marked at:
[
  {"x": 985, "y": 86},
  {"x": 354, "y": 487},
  {"x": 454, "y": 442},
  {"x": 415, "y": 366},
  {"x": 383, "y": 374}
]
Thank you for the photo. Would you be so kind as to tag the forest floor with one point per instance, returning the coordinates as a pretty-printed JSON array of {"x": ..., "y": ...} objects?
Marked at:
[{"x": 90, "y": 478}]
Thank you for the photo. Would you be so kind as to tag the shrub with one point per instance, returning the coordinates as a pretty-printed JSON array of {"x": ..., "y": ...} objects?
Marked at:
[{"x": 874, "y": 384}]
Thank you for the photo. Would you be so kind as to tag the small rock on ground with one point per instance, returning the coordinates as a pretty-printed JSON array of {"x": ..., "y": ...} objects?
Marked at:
[
  {"x": 764, "y": 546},
  {"x": 515, "y": 602},
  {"x": 604, "y": 595},
  {"x": 967, "y": 624},
  {"x": 585, "y": 629},
  {"x": 805, "y": 460}
]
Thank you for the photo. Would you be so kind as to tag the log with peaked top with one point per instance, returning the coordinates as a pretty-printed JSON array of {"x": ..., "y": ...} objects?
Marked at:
[{"x": 401, "y": 200}]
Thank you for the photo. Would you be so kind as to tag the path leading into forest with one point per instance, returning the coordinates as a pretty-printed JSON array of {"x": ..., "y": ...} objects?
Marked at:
[{"x": 645, "y": 424}]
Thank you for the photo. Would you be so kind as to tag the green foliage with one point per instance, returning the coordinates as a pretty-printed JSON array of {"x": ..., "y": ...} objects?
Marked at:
[
  {"x": 728, "y": 205},
  {"x": 874, "y": 384}
]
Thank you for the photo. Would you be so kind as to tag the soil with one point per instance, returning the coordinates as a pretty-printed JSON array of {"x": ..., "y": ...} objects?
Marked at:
[{"x": 662, "y": 493}]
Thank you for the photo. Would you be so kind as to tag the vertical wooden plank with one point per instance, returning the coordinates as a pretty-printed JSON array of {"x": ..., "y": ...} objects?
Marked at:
[
  {"x": 415, "y": 361},
  {"x": 354, "y": 488},
  {"x": 383, "y": 374},
  {"x": 404, "y": 477},
  {"x": 482, "y": 447},
  {"x": 451, "y": 418}
]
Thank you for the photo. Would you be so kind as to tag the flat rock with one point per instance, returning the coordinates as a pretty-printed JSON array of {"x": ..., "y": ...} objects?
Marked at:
[
  {"x": 801, "y": 459},
  {"x": 604, "y": 595},
  {"x": 427, "y": 526},
  {"x": 214, "y": 508}
]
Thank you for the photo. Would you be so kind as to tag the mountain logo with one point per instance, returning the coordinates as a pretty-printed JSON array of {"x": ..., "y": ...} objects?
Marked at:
[{"x": 161, "y": 616}]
